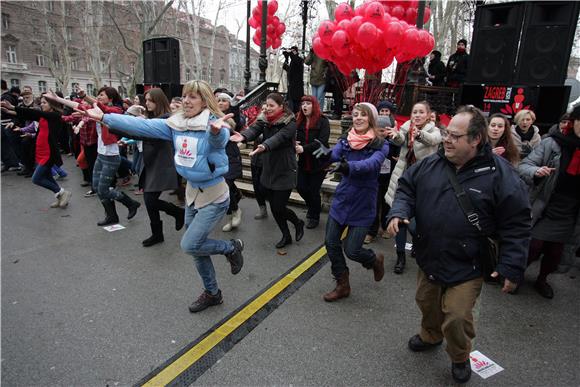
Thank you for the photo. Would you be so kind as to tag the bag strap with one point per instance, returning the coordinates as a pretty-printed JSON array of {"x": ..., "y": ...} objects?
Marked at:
[{"x": 464, "y": 200}]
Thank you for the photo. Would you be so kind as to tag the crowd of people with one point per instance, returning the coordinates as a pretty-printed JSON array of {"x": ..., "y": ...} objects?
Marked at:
[{"x": 451, "y": 188}]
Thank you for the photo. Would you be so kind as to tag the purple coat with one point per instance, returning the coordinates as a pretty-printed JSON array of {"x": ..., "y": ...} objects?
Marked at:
[{"x": 355, "y": 199}]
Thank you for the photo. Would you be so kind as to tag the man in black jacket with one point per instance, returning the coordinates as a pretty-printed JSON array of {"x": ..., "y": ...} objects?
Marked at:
[
  {"x": 448, "y": 246},
  {"x": 457, "y": 65},
  {"x": 295, "y": 72},
  {"x": 436, "y": 69}
]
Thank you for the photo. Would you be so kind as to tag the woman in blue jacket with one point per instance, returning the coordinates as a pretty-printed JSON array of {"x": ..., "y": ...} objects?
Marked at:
[
  {"x": 199, "y": 132},
  {"x": 359, "y": 155}
]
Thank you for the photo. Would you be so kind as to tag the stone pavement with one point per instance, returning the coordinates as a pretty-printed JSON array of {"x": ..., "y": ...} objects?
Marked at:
[{"x": 85, "y": 307}]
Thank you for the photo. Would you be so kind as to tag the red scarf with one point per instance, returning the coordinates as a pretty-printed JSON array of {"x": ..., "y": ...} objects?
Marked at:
[
  {"x": 359, "y": 141},
  {"x": 574, "y": 166},
  {"x": 274, "y": 117}
]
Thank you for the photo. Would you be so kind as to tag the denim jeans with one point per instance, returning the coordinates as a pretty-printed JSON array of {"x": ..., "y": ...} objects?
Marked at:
[
  {"x": 401, "y": 237},
  {"x": 103, "y": 174},
  {"x": 353, "y": 247},
  {"x": 319, "y": 92},
  {"x": 43, "y": 177},
  {"x": 200, "y": 223}
]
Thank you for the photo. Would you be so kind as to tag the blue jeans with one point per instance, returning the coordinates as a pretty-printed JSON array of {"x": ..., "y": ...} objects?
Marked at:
[
  {"x": 401, "y": 237},
  {"x": 43, "y": 177},
  {"x": 103, "y": 174},
  {"x": 353, "y": 247},
  {"x": 200, "y": 223},
  {"x": 319, "y": 92}
]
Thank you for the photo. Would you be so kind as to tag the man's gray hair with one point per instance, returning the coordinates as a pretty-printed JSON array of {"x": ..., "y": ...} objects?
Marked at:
[{"x": 477, "y": 124}]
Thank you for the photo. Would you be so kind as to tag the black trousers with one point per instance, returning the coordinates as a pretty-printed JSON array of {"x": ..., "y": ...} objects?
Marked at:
[
  {"x": 91, "y": 156},
  {"x": 308, "y": 187},
  {"x": 154, "y": 205},
  {"x": 235, "y": 196},
  {"x": 282, "y": 214},
  {"x": 382, "y": 206},
  {"x": 258, "y": 188}
]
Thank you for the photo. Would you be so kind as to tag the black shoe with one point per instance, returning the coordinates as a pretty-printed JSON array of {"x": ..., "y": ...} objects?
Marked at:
[
  {"x": 205, "y": 300},
  {"x": 544, "y": 289},
  {"x": 235, "y": 258},
  {"x": 400, "y": 265},
  {"x": 156, "y": 235},
  {"x": 299, "y": 230},
  {"x": 286, "y": 240},
  {"x": 132, "y": 205},
  {"x": 418, "y": 345},
  {"x": 461, "y": 371},
  {"x": 312, "y": 223},
  {"x": 111, "y": 216},
  {"x": 179, "y": 214}
]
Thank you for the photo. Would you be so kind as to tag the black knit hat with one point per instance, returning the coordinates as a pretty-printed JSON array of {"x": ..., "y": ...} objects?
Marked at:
[
  {"x": 575, "y": 115},
  {"x": 462, "y": 41},
  {"x": 386, "y": 104}
]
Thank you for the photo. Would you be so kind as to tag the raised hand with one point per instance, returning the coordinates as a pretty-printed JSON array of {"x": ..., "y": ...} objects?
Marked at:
[
  {"x": 498, "y": 150},
  {"x": 237, "y": 137},
  {"x": 95, "y": 113},
  {"x": 259, "y": 149},
  {"x": 7, "y": 105},
  {"x": 216, "y": 125},
  {"x": 321, "y": 151}
]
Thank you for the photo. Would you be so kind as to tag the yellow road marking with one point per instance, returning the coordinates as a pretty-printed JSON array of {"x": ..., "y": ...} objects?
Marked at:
[{"x": 185, "y": 361}]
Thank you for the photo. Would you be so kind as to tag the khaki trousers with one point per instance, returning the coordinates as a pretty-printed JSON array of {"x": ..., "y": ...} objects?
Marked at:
[{"x": 448, "y": 313}]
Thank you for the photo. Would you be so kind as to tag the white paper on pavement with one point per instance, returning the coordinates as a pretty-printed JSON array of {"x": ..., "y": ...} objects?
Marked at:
[
  {"x": 114, "y": 227},
  {"x": 482, "y": 365}
]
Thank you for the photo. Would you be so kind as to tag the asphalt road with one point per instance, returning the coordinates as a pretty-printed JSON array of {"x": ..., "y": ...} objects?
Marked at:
[{"x": 85, "y": 307}]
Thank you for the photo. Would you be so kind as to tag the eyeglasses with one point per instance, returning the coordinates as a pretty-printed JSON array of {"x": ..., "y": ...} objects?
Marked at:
[{"x": 450, "y": 136}]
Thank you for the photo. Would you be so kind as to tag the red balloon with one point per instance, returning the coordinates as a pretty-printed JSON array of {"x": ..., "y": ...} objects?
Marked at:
[
  {"x": 427, "y": 14},
  {"x": 360, "y": 10},
  {"x": 275, "y": 21},
  {"x": 411, "y": 15},
  {"x": 319, "y": 48},
  {"x": 258, "y": 32},
  {"x": 424, "y": 43},
  {"x": 272, "y": 7},
  {"x": 256, "y": 39},
  {"x": 344, "y": 25},
  {"x": 398, "y": 12},
  {"x": 410, "y": 42},
  {"x": 277, "y": 43},
  {"x": 374, "y": 12},
  {"x": 253, "y": 23},
  {"x": 367, "y": 33},
  {"x": 281, "y": 28},
  {"x": 270, "y": 29},
  {"x": 257, "y": 12},
  {"x": 343, "y": 11},
  {"x": 355, "y": 24},
  {"x": 393, "y": 35},
  {"x": 325, "y": 31},
  {"x": 341, "y": 43}
]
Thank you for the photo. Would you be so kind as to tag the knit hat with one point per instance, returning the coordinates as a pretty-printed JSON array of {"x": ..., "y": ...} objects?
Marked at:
[
  {"x": 372, "y": 108},
  {"x": 386, "y": 105},
  {"x": 224, "y": 96},
  {"x": 462, "y": 41}
]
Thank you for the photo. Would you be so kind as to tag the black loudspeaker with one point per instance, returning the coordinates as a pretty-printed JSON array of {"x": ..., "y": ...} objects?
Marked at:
[
  {"x": 161, "y": 61},
  {"x": 547, "y": 38},
  {"x": 494, "y": 44},
  {"x": 170, "y": 89}
]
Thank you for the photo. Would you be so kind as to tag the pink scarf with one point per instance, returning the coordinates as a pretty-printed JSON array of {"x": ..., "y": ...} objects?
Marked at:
[{"x": 359, "y": 141}]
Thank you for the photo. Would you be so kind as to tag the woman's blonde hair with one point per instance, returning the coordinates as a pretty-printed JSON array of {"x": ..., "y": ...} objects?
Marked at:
[
  {"x": 370, "y": 114},
  {"x": 521, "y": 115},
  {"x": 203, "y": 89}
]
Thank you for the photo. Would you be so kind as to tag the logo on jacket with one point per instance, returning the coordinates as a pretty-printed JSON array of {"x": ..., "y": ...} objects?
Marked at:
[{"x": 185, "y": 151}]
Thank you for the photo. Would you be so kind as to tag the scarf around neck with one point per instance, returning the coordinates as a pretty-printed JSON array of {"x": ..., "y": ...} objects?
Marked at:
[
  {"x": 273, "y": 118},
  {"x": 570, "y": 152},
  {"x": 359, "y": 141},
  {"x": 181, "y": 123},
  {"x": 526, "y": 136}
]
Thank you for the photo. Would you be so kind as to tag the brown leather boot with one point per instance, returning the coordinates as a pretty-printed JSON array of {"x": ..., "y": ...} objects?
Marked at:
[
  {"x": 342, "y": 289},
  {"x": 379, "y": 267}
]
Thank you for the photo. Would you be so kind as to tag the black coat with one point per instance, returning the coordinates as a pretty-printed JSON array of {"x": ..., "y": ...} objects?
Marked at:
[
  {"x": 54, "y": 128},
  {"x": 158, "y": 172},
  {"x": 321, "y": 132},
  {"x": 457, "y": 67},
  {"x": 447, "y": 245},
  {"x": 295, "y": 72},
  {"x": 437, "y": 69},
  {"x": 279, "y": 160}
]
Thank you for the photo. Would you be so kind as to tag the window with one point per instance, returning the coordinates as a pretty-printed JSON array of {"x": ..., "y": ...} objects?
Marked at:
[
  {"x": 40, "y": 60},
  {"x": 5, "y": 21},
  {"x": 187, "y": 74},
  {"x": 222, "y": 76},
  {"x": 15, "y": 83},
  {"x": 69, "y": 33},
  {"x": 90, "y": 89},
  {"x": 50, "y": 5},
  {"x": 74, "y": 64},
  {"x": 75, "y": 87},
  {"x": 11, "y": 53},
  {"x": 42, "y": 87}
]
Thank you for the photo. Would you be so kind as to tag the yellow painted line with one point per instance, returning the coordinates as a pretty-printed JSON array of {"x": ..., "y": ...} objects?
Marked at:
[{"x": 186, "y": 360}]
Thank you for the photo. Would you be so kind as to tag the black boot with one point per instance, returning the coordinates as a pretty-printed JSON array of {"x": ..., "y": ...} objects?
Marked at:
[
  {"x": 179, "y": 214},
  {"x": 400, "y": 265},
  {"x": 111, "y": 216},
  {"x": 131, "y": 205},
  {"x": 157, "y": 235},
  {"x": 286, "y": 240}
]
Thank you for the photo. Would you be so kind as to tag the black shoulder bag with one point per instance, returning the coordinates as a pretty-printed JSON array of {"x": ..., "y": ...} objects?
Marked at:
[{"x": 489, "y": 248}]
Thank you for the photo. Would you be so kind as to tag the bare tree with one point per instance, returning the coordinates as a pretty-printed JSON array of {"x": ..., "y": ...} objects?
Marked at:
[
  {"x": 57, "y": 50},
  {"x": 193, "y": 21}
]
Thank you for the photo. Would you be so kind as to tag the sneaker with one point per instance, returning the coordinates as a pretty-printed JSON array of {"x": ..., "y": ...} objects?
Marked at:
[
  {"x": 205, "y": 300},
  {"x": 64, "y": 198},
  {"x": 235, "y": 258},
  {"x": 416, "y": 344},
  {"x": 461, "y": 372},
  {"x": 90, "y": 193}
]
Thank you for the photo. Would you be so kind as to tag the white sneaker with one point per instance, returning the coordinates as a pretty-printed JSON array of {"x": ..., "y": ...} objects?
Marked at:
[
  {"x": 237, "y": 218},
  {"x": 227, "y": 227},
  {"x": 64, "y": 198}
]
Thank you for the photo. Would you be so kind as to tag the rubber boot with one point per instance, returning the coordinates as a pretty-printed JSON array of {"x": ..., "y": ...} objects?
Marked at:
[
  {"x": 342, "y": 289},
  {"x": 131, "y": 205},
  {"x": 111, "y": 216},
  {"x": 400, "y": 265},
  {"x": 157, "y": 235}
]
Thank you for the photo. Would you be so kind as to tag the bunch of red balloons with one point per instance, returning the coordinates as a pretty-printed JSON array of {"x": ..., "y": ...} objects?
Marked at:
[
  {"x": 369, "y": 37},
  {"x": 405, "y": 10},
  {"x": 275, "y": 28}
]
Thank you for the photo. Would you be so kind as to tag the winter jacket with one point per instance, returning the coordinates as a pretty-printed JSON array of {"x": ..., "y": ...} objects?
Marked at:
[
  {"x": 307, "y": 137},
  {"x": 427, "y": 145},
  {"x": 355, "y": 200},
  {"x": 447, "y": 245},
  {"x": 318, "y": 68},
  {"x": 199, "y": 157},
  {"x": 54, "y": 126},
  {"x": 279, "y": 160},
  {"x": 457, "y": 67},
  {"x": 436, "y": 68},
  {"x": 295, "y": 72},
  {"x": 526, "y": 147}
]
